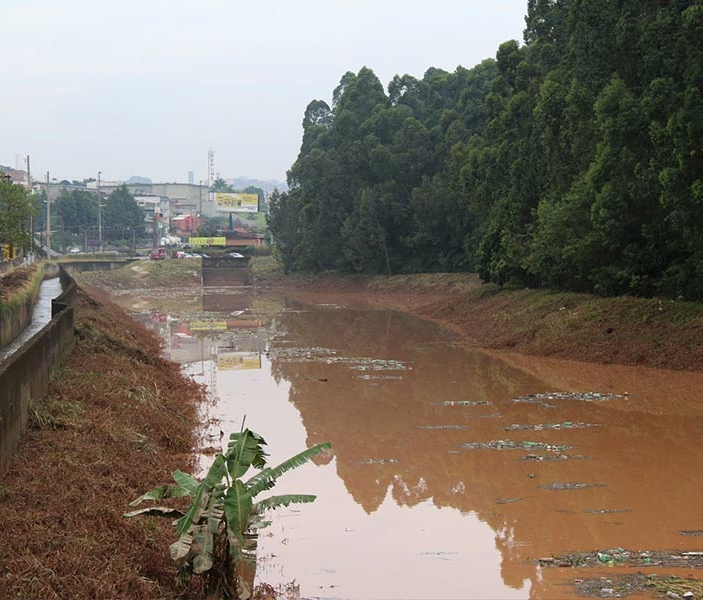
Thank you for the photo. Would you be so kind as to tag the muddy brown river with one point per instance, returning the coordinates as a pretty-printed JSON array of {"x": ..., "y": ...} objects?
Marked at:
[{"x": 453, "y": 470}]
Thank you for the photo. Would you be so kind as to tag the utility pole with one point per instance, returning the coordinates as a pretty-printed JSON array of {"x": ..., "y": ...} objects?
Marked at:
[
  {"x": 48, "y": 218},
  {"x": 31, "y": 217},
  {"x": 200, "y": 189},
  {"x": 100, "y": 217}
]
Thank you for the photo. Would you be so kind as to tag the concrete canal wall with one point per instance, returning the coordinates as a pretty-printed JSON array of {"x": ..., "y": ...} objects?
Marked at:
[
  {"x": 19, "y": 317},
  {"x": 24, "y": 377}
]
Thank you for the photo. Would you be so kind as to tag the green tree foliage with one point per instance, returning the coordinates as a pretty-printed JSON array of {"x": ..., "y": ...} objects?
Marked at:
[
  {"x": 284, "y": 218},
  {"x": 574, "y": 160},
  {"x": 77, "y": 208},
  {"x": 121, "y": 214},
  {"x": 17, "y": 206},
  {"x": 220, "y": 185}
]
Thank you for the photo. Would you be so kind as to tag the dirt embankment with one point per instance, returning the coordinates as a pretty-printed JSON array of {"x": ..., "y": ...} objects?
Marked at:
[
  {"x": 118, "y": 419},
  {"x": 630, "y": 331}
]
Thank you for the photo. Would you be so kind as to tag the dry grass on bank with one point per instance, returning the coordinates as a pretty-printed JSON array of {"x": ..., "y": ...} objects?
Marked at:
[
  {"x": 117, "y": 421},
  {"x": 17, "y": 284}
]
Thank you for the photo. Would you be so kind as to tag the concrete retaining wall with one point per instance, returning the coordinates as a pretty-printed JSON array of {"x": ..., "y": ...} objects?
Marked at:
[
  {"x": 79, "y": 266},
  {"x": 24, "y": 377},
  {"x": 15, "y": 322}
]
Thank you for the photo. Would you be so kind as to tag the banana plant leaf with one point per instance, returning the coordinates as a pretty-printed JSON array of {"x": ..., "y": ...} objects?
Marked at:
[
  {"x": 244, "y": 450},
  {"x": 266, "y": 478},
  {"x": 156, "y": 511},
  {"x": 283, "y": 500},
  {"x": 238, "y": 508},
  {"x": 181, "y": 547},
  {"x": 160, "y": 493},
  {"x": 203, "y": 543}
]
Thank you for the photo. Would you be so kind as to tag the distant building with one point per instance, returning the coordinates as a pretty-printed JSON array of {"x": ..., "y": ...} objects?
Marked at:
[
  {"x": 185, "y": 225},
  {"x": 240, "y": 236},
  {"x": 16, "y": 176},
  {"x": 157, "y": 215}
]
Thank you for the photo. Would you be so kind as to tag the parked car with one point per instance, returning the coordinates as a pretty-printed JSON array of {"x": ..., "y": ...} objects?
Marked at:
[
  {"x": 234, "y": 255},
  {"x": 159, "y": 254}
]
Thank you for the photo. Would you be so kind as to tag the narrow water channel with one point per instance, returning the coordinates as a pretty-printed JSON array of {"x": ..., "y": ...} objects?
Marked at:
[
  {"x": 50, "y": 289},
  {"x": 453, "y": 470}
]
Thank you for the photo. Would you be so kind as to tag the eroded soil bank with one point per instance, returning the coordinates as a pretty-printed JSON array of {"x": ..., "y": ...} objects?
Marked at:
[{"x": 629, "y": 331}]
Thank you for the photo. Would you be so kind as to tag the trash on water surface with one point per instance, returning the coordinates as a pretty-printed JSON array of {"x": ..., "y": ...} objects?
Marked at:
[
  {"x": 554, "y": 457},
  {"x": 511, "y": 445},
  {"x": 508, "y": 500},
  {"x": 547, "y": 398},
  {"x": 541, "y": 426},
  {"x": 556, "y": 485},
  {"x": 463, "y": 403},
  {"x": 330, "y": 356},
  {"x": 377, "y": 461}
]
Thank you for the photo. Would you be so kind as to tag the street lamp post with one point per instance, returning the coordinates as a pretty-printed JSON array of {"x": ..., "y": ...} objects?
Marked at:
[{"x": 48, "y": 218}]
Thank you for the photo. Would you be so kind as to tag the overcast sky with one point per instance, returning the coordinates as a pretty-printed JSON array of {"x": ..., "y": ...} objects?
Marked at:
[{"x": 147, "y": 87}]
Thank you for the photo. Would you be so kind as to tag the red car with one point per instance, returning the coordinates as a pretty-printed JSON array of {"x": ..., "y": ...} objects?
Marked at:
[{"x": 159, "y": 254}]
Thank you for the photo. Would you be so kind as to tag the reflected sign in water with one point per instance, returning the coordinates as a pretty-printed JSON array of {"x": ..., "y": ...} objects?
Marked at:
[{"x": 237, "y": 361}]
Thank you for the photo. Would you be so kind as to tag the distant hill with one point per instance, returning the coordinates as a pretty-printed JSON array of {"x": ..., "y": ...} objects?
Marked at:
[
  {"x": 240, "y": 183},
  {"x": 138, "y": 180}
]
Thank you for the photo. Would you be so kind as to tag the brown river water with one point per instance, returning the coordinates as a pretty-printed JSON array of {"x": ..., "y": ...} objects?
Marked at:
[{"x": 453, "y": 470}]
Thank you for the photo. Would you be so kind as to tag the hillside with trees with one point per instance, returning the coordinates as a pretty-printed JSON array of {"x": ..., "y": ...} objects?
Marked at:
[{"x": 573, "y": 160}]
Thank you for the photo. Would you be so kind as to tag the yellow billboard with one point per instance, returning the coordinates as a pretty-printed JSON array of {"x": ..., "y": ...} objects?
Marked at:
[
  {"x": 208, "y": 325},
  {"x": 207, "y": 241},
  {"x": 238, "y": 361},
  {"x": 235, "y": 202}
]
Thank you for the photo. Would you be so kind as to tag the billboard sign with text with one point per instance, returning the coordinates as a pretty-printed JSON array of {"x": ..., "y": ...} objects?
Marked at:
[{"x": 235, "y": 202}]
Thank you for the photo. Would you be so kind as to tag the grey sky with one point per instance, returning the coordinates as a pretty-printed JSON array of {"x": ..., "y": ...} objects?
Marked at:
[{"x": 148, "y": 87}]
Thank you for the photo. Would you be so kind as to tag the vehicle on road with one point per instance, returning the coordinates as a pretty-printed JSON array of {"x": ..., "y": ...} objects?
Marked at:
[{"x": 157, "y": 254}]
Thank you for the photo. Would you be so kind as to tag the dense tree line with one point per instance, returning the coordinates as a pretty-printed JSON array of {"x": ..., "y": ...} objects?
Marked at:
[
  {"x": 74, "y": 216},
  {"x": 17, "y": 207},
  {"x": 573, "y": 161}
]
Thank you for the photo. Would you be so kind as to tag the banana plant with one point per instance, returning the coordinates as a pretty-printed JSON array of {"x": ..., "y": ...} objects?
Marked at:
[{"x": 218, "y": 531}]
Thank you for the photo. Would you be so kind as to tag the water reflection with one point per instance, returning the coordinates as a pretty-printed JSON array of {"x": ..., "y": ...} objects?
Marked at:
[{"x": 444, "y": 482}]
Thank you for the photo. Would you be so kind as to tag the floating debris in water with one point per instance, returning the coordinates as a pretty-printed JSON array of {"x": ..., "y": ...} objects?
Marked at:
[
  {"x": 380, "y": 377},
  {"x": 508, "y": 500},
  {"x": 691, "y": 532},
  {"x": 553, "y": 457},
  {"x": 619, "y": 585},
  {"x": 628, "y": 558},
  {"x": 606, "y": 511},
  {"x": 511, "y": 445},
  {"x": 546, "y": 398},
  {"x": 377, "y": 461},
  {"x": 460, "y": 427},
  {"x": 570, "y": 486},
  {"x": 462, "y": 403},
  {"x": 301, "y": 354},
  {"x": 541, "y": 426},
  {"x": 374, "y": 364},
  {"x": 441, "y": 555},
  {"x": 330, "y": 356}
]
